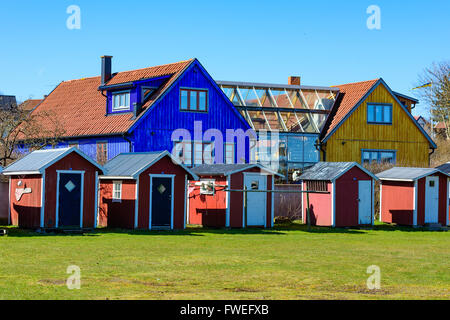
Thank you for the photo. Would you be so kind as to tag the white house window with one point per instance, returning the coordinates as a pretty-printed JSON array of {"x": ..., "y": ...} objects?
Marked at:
[
  {"x": 121, "y": 101},
  {"x": 197, "y": 153},
  {"x": 229, "y": 153},
  {"x": 378, "y": 156},
  {"x": 117, "y": 191},
  {"x": 379, "y": 113}
]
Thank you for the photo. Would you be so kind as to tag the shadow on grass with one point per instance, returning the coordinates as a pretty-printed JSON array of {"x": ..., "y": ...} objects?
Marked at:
[{"x": 279, "y": 229}]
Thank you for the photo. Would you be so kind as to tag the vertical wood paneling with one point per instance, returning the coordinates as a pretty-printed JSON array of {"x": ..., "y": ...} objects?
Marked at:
[{"x": 403, "y": 135}]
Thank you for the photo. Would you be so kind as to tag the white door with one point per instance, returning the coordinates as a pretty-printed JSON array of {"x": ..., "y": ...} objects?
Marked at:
[
  {"x": 365, "y": 202},
  {"x": 431, "y": 199},
  {"x": 256, "y": 201}
]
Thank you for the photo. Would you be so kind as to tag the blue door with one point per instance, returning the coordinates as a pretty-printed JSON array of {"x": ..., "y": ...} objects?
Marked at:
[
  {"x": 161, "y": 202},
  {"x": 70, "y": 186}
]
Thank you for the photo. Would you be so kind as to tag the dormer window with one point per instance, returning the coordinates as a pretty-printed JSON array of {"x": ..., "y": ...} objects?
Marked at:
[
  {"x": 121, "y": 101},
  {"x": 147, "y": 92}
]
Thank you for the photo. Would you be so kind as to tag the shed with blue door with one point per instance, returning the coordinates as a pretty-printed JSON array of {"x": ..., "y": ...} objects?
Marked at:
[
  {"x": 144, "y": 190},
  {"x": 52, "y": 189}
]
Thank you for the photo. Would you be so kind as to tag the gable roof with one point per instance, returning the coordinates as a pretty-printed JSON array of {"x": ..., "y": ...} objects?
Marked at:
[
  {"x": 444, "y": 168},
  {"x": 352, "y": 95},
  {"x": 330, "y": 171},
  {"x": 37, "y": 161},
  {"x": 131, "y": 165},
  {"x": 79, "y": 99},
  {"x": 407, "y": 174},
  {"x": 30, "y": 104},
  {"x": 228, "y": 169}
]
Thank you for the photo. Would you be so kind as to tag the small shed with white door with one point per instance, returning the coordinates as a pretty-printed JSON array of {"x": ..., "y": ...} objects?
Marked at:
[
  {"x": 211, "y": 205},
  {"x": 348, "y": 194},
  {"x": 52, "y": 189},
  {"x": 414, "y": 196}
]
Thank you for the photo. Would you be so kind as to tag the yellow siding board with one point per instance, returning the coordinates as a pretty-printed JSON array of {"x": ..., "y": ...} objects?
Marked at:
[{"x": 355, "y": 134}]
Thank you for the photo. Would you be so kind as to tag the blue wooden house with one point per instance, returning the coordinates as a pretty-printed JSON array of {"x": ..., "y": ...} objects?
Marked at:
[{"x": 150, "y": 109}]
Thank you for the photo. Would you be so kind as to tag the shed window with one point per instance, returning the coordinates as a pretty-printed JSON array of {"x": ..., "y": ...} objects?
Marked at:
[
  {"x": 229, "y": 153},
  {"x": 117, "y": 191},
  {"x": 319, "y": 185},
  {"x": 194, "y": 100},
  {"x": 121, "y": 101},
  {"x": 379, "y": 113}
]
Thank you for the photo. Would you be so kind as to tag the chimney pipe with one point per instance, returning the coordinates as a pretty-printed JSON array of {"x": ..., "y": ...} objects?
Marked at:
[
  {"x": 106, "y": 69},
  {"x": 294, "y": 81}
]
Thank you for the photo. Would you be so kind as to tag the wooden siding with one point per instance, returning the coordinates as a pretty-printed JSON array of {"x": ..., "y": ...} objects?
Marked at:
[
  {"x": 117, "y": 214},
  {"x": 155, "y": 130},
  {"x": 26, "y": 213},
  {"x": 355, "y": 134}
]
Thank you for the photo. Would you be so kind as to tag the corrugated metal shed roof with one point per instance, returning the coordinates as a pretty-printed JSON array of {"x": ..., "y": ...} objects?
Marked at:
[
  {"x": 445, "y": 168},
  {"x": 326, "y": 170},
  {"x": 220, "y": 169},
  {"x": 227, "y": 169},
  {"x": 406, "y": 174},
  {"x": 37, "y": 161},
  {"x": 131, "y": 165}
]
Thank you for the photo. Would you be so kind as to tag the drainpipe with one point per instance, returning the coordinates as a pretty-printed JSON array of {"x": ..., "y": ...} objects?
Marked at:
[
  {"x": 429, "y": 156},
  {"x": 319, "y": 147},
  {"x": 106, "y": 107},
  {"x": 130, "y": 143}
]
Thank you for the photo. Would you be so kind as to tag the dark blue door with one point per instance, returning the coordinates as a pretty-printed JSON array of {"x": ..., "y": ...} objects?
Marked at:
[
  {"x": 69, "y": 199},
  {"x": 161, "y": 202}
]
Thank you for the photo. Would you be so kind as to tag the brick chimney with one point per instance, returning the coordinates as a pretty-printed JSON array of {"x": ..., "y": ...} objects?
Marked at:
[
  {"x": 294, "y": 81},
  {"x": 106, "y": 69}
]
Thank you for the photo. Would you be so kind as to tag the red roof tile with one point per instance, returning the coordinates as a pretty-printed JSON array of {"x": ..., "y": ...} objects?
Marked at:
[
  {"x": 29, "y": 104},
  {"x": 80, "y": 108},
  {"x": 351, "y": 94}
]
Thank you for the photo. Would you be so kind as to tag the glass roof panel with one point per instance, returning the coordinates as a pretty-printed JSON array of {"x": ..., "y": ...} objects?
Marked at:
[
  {"x": 249, "y": 96},
  {"x": 319, "y": 120},
  {"x": 291, "y": 122},
  {"x": 310, "y": 97},
  {"x": 326, "y": 100},
  {"x": 274, "y": 123},
  {"x": 296, "y": 99},
  {"x": 281, "y": 98},
  {"x": 305, "y": 121},
  {"x": 258, "y": 120},
  {"x": 264, "y": 98}
]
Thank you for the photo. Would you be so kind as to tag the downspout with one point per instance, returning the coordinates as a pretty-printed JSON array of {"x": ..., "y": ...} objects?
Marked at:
[
  {"x": 319, "y": 147},
  {"x": 106, "y": 107},
  {"x": 130, "y": 143},
  {"x": 429, "y": 156}
]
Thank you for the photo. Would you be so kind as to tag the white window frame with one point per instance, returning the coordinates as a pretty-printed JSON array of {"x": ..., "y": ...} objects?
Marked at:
[
  {"x": 233, "y": 152},
  {"x": 117, "y": 184},
  {"x": 121, "y": 107}
]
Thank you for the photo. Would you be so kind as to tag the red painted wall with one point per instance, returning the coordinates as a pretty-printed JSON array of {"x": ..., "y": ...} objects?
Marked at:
[
  {"x": 347, "y": 197},
  {"x": 442, "y": 210},
  {"x": 208, "y": 210},
  {"x": 73, "y": 161},
  {"x": 216, "y": 216},
  {"x": 397, "y": 202},
  {"x": 26, "y": 213},
  {"x": 117, "y": 214},
  {"x": 163, "y": 166},
  {"x": 320, "y": 205}
]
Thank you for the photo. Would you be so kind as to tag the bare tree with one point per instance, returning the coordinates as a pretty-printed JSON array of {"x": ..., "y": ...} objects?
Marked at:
[
  {"x": 18, "y": 127},
  {"x": 437, "y": 93}
]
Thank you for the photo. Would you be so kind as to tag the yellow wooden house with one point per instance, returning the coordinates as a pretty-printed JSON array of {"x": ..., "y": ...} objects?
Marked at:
[{"x": 371, "y": 123}]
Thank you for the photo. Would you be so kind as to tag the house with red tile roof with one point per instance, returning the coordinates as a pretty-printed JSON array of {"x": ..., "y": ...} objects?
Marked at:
[
  {"x": 371, "y": 123},
  {"x": 29, "y": 105},
  {"x": 139, "y": 111}
]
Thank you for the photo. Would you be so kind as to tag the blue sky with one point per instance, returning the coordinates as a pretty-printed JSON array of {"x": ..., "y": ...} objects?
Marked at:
[{"x": 325, "y": 42}]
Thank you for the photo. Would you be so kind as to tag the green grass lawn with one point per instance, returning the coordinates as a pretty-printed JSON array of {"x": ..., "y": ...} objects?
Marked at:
[{"x": 284, "y": 263}]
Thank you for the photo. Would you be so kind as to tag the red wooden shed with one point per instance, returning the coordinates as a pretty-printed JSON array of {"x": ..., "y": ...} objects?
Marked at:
[
  {"x": 144, "y": 191},
  {"x": 211, "y": 206},
  {"x": 348, "y": 200},
  {"x": 53, "y": 189},
  {"x": 414, "y": 196},
  {"x": 446, "y": 169}
]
